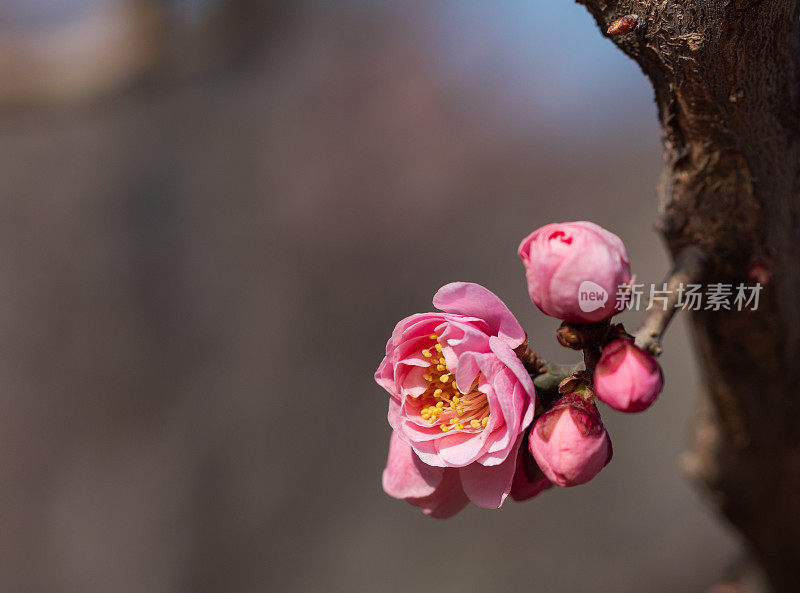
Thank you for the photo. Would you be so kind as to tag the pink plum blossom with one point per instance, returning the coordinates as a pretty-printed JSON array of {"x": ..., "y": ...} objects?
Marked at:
[
  {"x": 460, "y": 401},
  {"x": 569, "y": 442},
  {"x": 563, "y": 260},
  {"x": 626, "y": 377}
]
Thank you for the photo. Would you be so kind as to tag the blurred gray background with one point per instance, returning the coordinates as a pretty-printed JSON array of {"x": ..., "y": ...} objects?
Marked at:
[{"x": 214, "y": 212}]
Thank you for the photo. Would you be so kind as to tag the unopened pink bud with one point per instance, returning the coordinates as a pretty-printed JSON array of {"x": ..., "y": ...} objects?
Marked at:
[
  {"x": 574, "y": 270},
  {"x": 529, "y": 480},
  {"x": 626, "y": 377},
  {"x": 569, "y": 442}
]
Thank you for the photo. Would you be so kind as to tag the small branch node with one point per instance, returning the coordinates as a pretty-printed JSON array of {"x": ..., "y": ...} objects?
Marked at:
[
  {"x": 623, "y": 25},
  {"x": 690, "y": 267}
]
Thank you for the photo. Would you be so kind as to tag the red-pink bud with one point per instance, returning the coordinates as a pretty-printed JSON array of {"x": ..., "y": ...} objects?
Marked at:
[
  {"x": 574, "y": 270},
  {"x": 569, "y": 442},
  {"x": 626, "y": 377},
  {"x": 528, "y": 478},
  {"x": 760, "y": 271}
]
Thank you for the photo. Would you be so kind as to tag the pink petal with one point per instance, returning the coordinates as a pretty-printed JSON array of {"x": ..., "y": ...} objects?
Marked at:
[
  {"x": 411, "y": 380},
  {"x": 447, "y": 500},
  {"x": 610, "y": 238},
  {"x": 507, "y": 404},
  {"x": 410, "y": 351},
  {"x": 384, "y": 376},
  {"x": 488, "y": 487},
  {"x": 500, "y": 444},
  {"x": 415, "y": 326},
  {"x": 459, "y": 449},
  {"x": 405, "y": 475},
  {"x": 466, "y": 368},
  {"x": 419, "y": 432},
  {"x": 466, "y": 298},
  {"x": 395, "y": 415},
  {"x": 426, "y": 451},
  {"x": 506, "y": 355},
  {"x": 463, "y": 337}
]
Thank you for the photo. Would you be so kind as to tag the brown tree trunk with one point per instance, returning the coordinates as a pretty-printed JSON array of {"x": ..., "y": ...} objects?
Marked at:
[{"x": 726, "y": 75}]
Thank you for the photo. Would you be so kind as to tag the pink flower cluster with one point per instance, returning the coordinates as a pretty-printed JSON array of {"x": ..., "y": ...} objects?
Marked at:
[{"x": 467, "y": 425}]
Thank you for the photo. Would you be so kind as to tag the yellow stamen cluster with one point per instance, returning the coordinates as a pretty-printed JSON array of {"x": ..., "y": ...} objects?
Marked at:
[{"x": 443, "y": 404}]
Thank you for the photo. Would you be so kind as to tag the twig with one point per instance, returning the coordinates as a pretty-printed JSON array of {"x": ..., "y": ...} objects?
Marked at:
[{"x": 690, "y": 267}]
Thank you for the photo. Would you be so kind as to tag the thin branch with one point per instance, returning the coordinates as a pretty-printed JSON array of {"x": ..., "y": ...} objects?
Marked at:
[{"x": 690, "y": 268}]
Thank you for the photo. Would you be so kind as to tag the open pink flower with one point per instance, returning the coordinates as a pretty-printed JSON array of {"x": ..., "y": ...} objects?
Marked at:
[
  {"x": 460, "y": 400},
  {"x": 574, "y": 270},
  {"x": 626, "y": 377}
]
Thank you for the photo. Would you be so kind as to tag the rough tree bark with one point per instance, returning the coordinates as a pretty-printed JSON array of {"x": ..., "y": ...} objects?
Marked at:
[{"x": 726, "y": 75}]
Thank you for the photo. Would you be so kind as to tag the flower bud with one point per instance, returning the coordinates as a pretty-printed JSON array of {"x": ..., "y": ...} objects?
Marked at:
[
  {"x": 529, "y": 480},
  {"x": 569, "y": 442},
  {"x": 626, "y": 377},
  {"x": 574, "y": 270}
]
